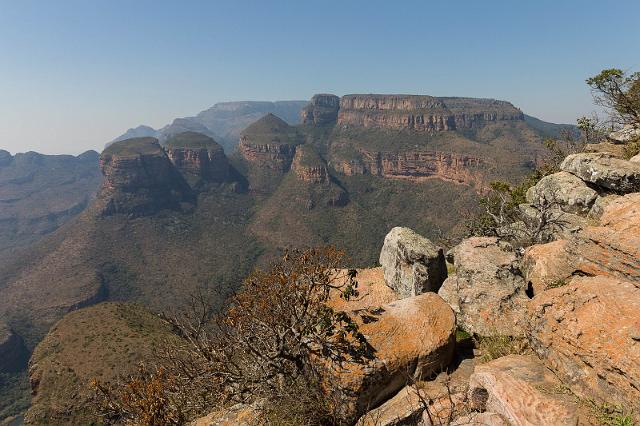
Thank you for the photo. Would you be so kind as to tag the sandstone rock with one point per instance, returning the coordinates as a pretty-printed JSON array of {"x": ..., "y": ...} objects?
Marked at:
[
  {"x": 588, "y": 333},
  {"x": 480, "y": 419},
  {"x": 408, "y": 405},
  {"x": 559, "y": 223},
  {"x": 139, "y": 179},
  {"x": 198, "y": 157},
  {"x": 520, "y": 389},
  {"x": 269, "y": 143},
  {"x": 13, "y": 352},
  {"x": 599, "y": 205},
  {"x": 635, "y": 159},
  {"x": 322, "y": 110},
  {"x": 546, "y": 266},
  {"x": 613, "y": 247},
  {"x": 309, "y": 166},
  {"x": 616, "y": 150},
  {"x": 604, "y": 170},
  {"x": 411, "y": 338},
  {"x": 416, "y": 166},
  {"x": 412, "y": 264},
  {"x": 373, "y": 292},
  {"x": 422, "y": 113},
  {"x": 565, "y": 190},
  {"x": 487, "y": 291},
  {"x": 627, "y": 134},
  {"x": 238, "y": 415}
]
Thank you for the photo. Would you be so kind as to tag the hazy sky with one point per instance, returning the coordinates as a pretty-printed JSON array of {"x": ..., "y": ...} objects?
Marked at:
[{"x": 76, "y": 74}]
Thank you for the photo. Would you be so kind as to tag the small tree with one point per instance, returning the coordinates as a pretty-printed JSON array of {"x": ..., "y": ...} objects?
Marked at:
[
  {"x": 262, "y": 347},
  {"x": 619, "y": 93}
]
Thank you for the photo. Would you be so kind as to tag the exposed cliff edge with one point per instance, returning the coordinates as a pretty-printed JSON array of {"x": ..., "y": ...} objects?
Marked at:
[
  {"x": 309, "y": 166},
  {"x": 322, "y": 110},
  {"x": 423, "y": 113},
  {"x": 139, "y": 179},
  {"x": 198, "y": 157},
  {"x": 269, "y": 143}
]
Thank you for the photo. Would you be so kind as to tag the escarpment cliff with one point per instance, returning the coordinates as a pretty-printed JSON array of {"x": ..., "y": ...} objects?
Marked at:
[
  {"x": 269, "y": 143},
  {"x": 322, "y": 110},
  {"x": 199, "y": 158},
  {"x": 309, "y": 166},
  {"x": 423, "y": 113},
  {"x": 139, "y": 178},
  {"x": 416, "y": 166}
]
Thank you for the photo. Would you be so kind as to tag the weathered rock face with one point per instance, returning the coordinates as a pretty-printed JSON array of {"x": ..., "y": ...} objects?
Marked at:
[
  {"x": 412, "y": 337},
  {"x": 198, "y": 157},
  {"x": 486, "y": 292},
  {"x": 627, "y": 134},
  {"x": 521, "y": 389},
  {"x": 588, "y": 333},
  {"x": 13, "y": 352},
  {"x": 564, "y": 190},
  {"x": 269, "y": 143},
  {"x": 411, "y": 263},
  {"x": 238, "y": 415},
  {"x": 139, "y": 178},
  {"x": 322, "y": 110},
  {"x": 309, "y": 166},
  {"x": 422, "y": 113},
  {"x": 604, "y": 170},
  {"x": 415, "y": 166},
  {"x": 546, "y": 266}
]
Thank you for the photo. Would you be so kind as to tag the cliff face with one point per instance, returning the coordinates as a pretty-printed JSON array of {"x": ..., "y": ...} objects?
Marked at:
[
  {"x": 139, "y": 178},
  {"x": 308, "y": 165},
  {"x": 269, "y": 143},
  {"x": 198, "y": 157},
  {"x": 416, "y": 166},
  {"x": 13, "y": 353},
  {"x": 321, "y": 110},
  {"x": 422, "y": 113}
]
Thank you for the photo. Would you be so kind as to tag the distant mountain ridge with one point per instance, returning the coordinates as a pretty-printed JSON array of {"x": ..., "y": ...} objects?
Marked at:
[{"x": 223, "y": 121}]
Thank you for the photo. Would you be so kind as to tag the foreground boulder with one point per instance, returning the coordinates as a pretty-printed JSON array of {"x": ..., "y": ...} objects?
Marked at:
[
  {"x": 604, "y": 170},
  {"x": 565, "y": 190},
  {"x": 412, "y": 338},
  {"x": 546, "y": 266},
  {"x": 412, "y": 264},
  {"x": 487, "y": 291},
  {"x": 588, "y": 333},
  {"x": 625, "y": 135},
  {"x": 522, "y": 390}
]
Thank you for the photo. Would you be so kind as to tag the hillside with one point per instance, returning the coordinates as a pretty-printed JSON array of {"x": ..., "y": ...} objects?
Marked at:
[
  {"x": 170, "y": 221},
  {"x": 38, "y": 193}
]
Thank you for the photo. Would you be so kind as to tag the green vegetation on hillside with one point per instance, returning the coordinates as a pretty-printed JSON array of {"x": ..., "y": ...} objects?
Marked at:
[
  {"x": 137, "y": 146},
  {"x": 192, "y": 140}
]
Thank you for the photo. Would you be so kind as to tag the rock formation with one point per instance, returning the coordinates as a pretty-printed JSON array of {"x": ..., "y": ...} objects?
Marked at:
[
  {"x": 415, "y": 166},
  {"x": 412, "y": 264},
  {"x": 568, "y": 192},
  {"x": 322, "y": 110},
  {"x": 604, "y": 170},
  {"x": 139, "y": 179},
  {"x": 422, "y": 113},
  {"x": 309, "y": 166},
  {"x": 269, "y": 143},
  {"x": 198, "y": 157},
  {"x": 588, "y": 332},
  {"x": 487, "y": 291}
]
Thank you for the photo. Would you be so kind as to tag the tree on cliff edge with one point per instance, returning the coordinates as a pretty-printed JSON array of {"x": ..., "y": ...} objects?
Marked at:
[{"x": 619, "y": 93}]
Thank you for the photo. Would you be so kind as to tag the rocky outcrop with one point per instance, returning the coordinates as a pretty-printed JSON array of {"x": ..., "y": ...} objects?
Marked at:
[
  {"x": 422, "y": 113},
  {"x": 588, "y": 333},
  {"x": 546, "y": 266},
  {"x": 309, "y": 166},
  {"x": 487, "y": 292},
  {"x": 269, "y": 143},
  {"x": 410, "y": 338},
  {"x": 198, "y": 157},
  {"x": 237, "y": 415},
  {"x": 627, "y": 134},
  {"x": 411, "y": 263},
  {"x": 139, "y": 179},
  {"x": 415, "y": 166},
  {"x": 13, "y": 352},
  {"x": 523, "y": 391},
  {"x": 604, "y": 170},
  {"x": 565, "y": 191},
  {"x": 322, "y": 110}
]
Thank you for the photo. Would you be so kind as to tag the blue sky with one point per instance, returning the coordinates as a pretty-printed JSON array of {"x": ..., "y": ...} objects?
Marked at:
[{"x": 75, "y": 74}]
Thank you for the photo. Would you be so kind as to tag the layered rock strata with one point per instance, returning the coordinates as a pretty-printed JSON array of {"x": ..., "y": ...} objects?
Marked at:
[
  {"x": 139, "y": 179},
  {"x": 198, "y": 157},
  {"x": 269, "y": 143},
  {"x": 309, "y": 166},
  {"x": 422, "y": 113},
  {"x": 322, "y": 110}
]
